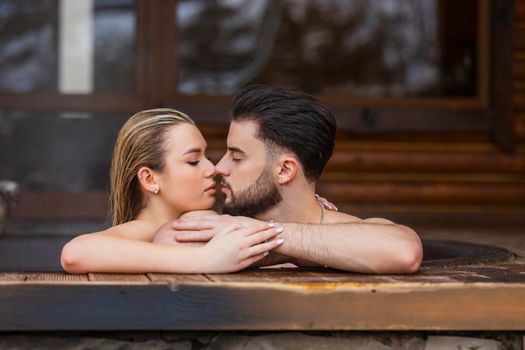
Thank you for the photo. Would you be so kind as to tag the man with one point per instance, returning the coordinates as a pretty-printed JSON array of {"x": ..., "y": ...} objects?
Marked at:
[{"x": 278, "y": 144}]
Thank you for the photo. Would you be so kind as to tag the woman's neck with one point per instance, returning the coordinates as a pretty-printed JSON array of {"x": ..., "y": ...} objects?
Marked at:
[{"x": 157, "y": 214}]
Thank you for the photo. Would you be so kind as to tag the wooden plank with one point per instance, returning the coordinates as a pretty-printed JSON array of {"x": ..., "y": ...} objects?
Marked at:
[
  {"x": 519, "y": 101},
  {"x": 519, "y": 37},
  {"x": 423, "y": 177},
  {"x": 456, "y": 146},
  {"x": 47, "y": 277},
  {"x": 519, "y": 6},
  {"x": 43, "y": 101},
  {"x": 502, "y": 34},
  {"x": 6, "y": 277},
  {"x": 518, "y": 66},
  {"x": 454, "y": 193},
  {"x": 295, "y": 275},
  {"x": 118, "y": 277},
  {"x": 429, "y": 161},
  {"x": 264, "y": 306},
  {"x": 519, "y": 129},
  {"x": 47, "y": 205},
  {"x": 178, "y": 278}
]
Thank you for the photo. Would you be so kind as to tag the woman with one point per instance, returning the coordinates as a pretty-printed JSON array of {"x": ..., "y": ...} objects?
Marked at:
[{"x": 159, "y": 172}]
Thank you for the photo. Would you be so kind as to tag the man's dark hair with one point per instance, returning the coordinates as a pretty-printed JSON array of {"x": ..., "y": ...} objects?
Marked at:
[{"x": 291, "y": 120}]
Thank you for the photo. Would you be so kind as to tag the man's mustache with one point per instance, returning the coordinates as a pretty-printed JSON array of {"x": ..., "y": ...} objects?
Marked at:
[{"x": 223, "y": 182}]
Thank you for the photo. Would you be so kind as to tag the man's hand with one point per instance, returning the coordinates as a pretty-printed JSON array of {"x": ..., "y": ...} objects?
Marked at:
[
  {"x": 166, "y": 236},
  {"x": 204, "y": 228}
]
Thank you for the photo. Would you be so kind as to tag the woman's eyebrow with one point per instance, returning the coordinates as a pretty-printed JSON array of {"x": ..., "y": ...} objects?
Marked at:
[{"x": 193, "y": 150}]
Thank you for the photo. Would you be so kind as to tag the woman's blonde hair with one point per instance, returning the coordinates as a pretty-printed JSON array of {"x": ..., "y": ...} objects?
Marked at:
[{"x": 140, "y": 143}]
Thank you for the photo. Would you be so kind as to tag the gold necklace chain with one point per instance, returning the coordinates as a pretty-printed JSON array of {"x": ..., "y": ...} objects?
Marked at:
[{"x": 322, "y": 214}]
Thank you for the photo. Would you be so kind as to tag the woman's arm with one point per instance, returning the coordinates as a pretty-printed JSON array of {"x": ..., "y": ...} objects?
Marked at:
[
  {"x": 99, "y": 252},
  {"x": 129, "y": 251}
]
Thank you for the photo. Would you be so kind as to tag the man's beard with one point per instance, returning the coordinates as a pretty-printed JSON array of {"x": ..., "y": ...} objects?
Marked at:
[{"x": 258, "y": 198}]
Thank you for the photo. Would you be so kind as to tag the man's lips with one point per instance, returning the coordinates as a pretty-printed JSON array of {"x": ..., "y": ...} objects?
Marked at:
[{"x": 225, "y": 187}]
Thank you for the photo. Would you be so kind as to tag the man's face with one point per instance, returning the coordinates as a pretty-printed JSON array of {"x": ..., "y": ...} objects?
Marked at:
[{"x": 247, "y": 176}]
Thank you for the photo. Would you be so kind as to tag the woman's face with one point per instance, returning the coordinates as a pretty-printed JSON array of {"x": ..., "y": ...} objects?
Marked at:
[{"x": 187, "y": 182}]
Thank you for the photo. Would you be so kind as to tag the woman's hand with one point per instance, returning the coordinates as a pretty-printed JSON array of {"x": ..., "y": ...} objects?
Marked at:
[
  {"x": 325, "y": 203},
  {"x": 238, "y": 246}
]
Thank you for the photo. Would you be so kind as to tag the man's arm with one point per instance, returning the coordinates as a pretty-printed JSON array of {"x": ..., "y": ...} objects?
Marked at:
[{"x": 368, "y": 246}]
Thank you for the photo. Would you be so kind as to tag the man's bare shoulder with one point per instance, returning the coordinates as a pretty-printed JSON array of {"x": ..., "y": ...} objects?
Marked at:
[{"x": 337, "y": 217}]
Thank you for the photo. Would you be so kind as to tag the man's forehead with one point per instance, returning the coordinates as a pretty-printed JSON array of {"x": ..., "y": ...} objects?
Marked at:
[{"x": 243, "y": 134}]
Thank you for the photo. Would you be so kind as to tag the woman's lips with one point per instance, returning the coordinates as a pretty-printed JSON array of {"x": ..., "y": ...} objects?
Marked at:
[{"x": 211, "y": 189}]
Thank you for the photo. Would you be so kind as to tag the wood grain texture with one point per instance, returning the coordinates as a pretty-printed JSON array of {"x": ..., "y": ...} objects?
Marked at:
[
  {"x": 118, "y": 277},
  {"x": 265, "y": 306},
  {"x": 181, "y": 278},
  {"x": 481, "y": 296}
]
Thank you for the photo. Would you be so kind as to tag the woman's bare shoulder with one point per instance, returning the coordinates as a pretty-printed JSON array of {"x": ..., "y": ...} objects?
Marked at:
[{"x": 137, "y": 229}]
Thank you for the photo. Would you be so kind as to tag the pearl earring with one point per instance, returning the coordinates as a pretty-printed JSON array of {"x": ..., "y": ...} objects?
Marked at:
[{"x": 156, "y": 189}]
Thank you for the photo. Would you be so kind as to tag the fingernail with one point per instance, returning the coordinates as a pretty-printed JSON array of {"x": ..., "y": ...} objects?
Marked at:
[
  {"x": 246, "y": 225},
  {"x": 279, "y": 229},
  {"x": 266, "y": 253},
  {"x": 280, "y": 241},
  {"x": 271, "y": 224}
]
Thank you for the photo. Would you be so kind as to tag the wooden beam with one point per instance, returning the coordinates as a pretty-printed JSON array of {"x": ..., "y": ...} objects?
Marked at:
[
  {"x": 263, "y": 306},
  {"x": 502, "y": 32}
]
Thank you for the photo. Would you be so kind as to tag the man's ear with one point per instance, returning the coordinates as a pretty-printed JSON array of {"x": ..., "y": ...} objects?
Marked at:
[
  {"x": 147, "y": 180},
  {"x": 288, "y": 168}
]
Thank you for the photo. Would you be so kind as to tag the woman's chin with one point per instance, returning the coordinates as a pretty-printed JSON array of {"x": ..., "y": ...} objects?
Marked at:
[{"x": 208, "y": 203}]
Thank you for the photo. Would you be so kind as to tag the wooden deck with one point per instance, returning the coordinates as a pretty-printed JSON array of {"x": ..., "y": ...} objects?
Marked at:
[{"x": 482, "y": 296}]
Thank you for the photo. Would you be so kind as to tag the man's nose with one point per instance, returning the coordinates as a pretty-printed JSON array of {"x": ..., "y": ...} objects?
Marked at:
[
  {"x": 210, "y": 169},
  {"x": 221, "y": 168}
]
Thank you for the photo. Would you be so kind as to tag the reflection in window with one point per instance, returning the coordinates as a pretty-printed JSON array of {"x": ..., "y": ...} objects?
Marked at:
[
  {"x": 66, "y": 152},
  {"x": 383, "y": 48},
  {"x": 30, "y": 43}
]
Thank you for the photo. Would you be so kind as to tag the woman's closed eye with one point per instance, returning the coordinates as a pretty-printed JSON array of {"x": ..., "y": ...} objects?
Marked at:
[{"x": 194, "y": 162}]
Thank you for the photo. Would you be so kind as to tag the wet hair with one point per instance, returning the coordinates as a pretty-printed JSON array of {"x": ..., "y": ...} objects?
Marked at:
[
  {"x": 290, "y": 120},
  {"x": 140, "y": 142}
]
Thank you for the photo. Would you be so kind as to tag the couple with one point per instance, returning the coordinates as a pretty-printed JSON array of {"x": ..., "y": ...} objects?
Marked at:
[{"x": 162, "y": 187}]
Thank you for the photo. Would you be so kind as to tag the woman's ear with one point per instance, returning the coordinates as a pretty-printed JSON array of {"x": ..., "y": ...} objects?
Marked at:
[
  {"x": 288, "y": 167},
  {"x": 147, "y": 180}
]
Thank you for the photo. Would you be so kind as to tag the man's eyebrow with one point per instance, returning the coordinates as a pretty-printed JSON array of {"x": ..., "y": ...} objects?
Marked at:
[
  {"x": 235, "y": 149},
  {"x": 193, "y": 150}
]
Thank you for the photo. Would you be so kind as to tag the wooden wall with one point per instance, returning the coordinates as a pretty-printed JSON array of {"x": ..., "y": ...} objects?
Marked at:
[
  {"x": 455, "y": 179},
  {"x": 417, "y": 179},
  {"x": 437, "y": 179}
]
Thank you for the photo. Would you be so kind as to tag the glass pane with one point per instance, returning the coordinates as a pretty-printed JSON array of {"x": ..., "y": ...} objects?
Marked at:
[
  {"x": 69, "y": 46},
  {"x": 380, "y": 48},
  {"x": 28, "y": 46},
  {"x": 66, "y": 152}
]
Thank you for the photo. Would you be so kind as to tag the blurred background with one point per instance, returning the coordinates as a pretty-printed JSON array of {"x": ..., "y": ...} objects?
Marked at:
[{"x": 429, "y": 96}]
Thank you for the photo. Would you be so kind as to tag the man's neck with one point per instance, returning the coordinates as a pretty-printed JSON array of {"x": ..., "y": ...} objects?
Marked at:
[{"x": 296, "y": 206}]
